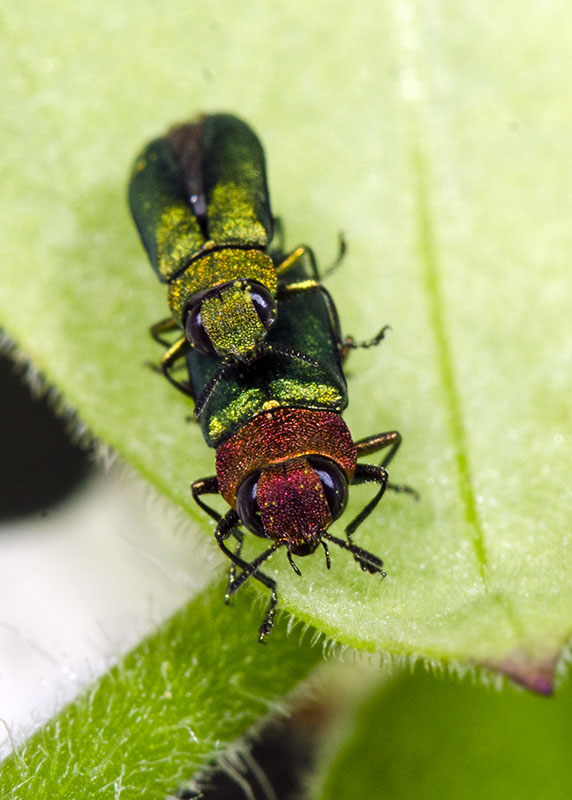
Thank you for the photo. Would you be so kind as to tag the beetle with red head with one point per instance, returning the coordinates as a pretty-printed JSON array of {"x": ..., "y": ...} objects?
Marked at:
[
  {"x": 199, "y": 199},
  {"x": 284, "y": 456}
]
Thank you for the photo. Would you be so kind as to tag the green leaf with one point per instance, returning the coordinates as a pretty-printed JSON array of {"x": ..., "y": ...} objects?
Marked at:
[
  {"x": 170, "y": 706},
  {"x": 437, "y": 137},
  {"x": 425, "y": 738}
]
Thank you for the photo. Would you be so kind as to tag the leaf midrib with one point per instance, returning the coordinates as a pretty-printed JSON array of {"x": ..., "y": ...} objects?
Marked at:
[
  {"x": 428, "y": 256},
  {"x": 432, "y": 280}
]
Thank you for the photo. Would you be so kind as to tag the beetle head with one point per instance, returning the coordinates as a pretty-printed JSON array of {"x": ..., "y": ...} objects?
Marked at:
[
  {"x": 231, "y": 319},
  {"x": 294, "y": 501}
]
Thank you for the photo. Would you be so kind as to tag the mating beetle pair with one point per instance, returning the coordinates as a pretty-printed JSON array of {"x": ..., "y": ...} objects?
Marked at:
[{"x": 263, "y": 350}]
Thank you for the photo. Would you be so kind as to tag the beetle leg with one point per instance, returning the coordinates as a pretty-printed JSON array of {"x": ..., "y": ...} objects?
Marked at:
[
  {"x": 304, "y": 251},
  {"x": 168, "y": 360},
  {"x": 377, "y": 442},
  {"x": 349, "y": 343},
  {"x": 224, "y": 529},
  {"x": 163, "y": 326},
  {"x": 210, "y": 486},
  {"x": 367, "y": 473},
  {"x": 290, "y": 260},
  {"x": 227, "y": 526},
  {"x": 214, "y": 380},
  {"x": 206, "y": 486},
  {"x": 372, "y": 444},
  {"x": 370, "y": 473},
  {"x": 239, "y": 536},
  {"x": 286, "y": 289},
  {"x": 342, "y": 250}
]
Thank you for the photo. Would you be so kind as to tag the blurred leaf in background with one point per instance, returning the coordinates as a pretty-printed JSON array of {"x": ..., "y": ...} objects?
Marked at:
[{"x": 426, "y": 737}]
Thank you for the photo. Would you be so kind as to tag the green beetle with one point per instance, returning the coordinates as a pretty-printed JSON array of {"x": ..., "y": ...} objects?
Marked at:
[{"x": 199, "y": 199}]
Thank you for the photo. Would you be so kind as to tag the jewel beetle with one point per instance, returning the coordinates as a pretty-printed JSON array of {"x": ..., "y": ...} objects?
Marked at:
[
  {"x": 285, "y": 458},
  {"x": 200, "y": 202}
]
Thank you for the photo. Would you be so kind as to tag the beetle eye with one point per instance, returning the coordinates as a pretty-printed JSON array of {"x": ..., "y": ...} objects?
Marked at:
[
  {"x": 334, "y": 483},
  {"x": 247, "y": 504},
  {"x": 264, "y": 304},
  {"x": 194, "y": 329}
]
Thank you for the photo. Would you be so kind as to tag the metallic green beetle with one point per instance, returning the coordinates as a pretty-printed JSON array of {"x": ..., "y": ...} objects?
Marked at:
[{"x": 199, "y": 198}]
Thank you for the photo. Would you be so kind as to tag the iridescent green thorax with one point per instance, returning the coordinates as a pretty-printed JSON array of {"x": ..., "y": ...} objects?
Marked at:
[
  {"x": 231, "y": 321},
  {"x": 277, "y": 436},
  {"x": 216, "y": 267}
]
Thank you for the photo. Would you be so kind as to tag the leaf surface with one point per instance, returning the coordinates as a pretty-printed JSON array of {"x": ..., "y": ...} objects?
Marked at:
[
  {"x": 438, "y": 139},
  {"x": 171, "y": 706}
]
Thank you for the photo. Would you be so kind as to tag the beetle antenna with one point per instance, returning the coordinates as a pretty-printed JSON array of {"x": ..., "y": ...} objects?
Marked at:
[
  {"x": 291, "y": 352},
  {"x": 208, "y": 390}
]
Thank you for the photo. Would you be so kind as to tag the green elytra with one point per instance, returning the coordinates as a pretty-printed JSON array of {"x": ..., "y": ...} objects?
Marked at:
[
  {"x": 199, "y": 198},
  {"x": 201, "y": 184}
]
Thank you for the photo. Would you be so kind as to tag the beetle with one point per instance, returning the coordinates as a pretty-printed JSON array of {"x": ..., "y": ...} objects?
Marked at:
[
  {"x": 199, "y": 198},
  {"x": 284, "y": 455}
]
